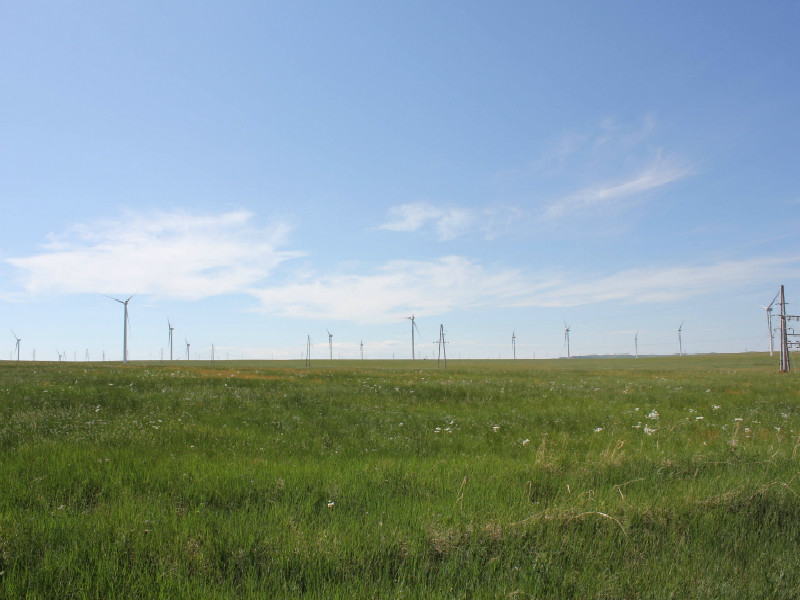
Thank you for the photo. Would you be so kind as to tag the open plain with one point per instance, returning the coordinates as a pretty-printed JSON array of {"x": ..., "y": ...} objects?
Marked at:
[{"x": 618, "y": 478}]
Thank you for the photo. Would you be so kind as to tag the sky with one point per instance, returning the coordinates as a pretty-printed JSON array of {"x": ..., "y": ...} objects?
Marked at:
[{"x": 255, "y": 173}]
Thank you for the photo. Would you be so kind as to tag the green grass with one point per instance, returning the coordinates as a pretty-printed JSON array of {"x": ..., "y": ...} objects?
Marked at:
[{"x": 648, "y": 478}]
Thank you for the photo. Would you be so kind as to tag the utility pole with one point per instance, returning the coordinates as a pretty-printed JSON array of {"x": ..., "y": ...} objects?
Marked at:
[
  {"x": 785, "y": 363},
  {"x": 442, "y": 347}
]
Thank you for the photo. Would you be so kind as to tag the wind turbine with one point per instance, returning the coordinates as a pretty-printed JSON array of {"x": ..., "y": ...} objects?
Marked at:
[
  {"x": 170, "y": 338},
  {"x": 566, "y": 336},
  {"x": 124, "y": 326},
  {"x": 187, "y": 348},
  {"x": 680, "y": 342},
  {"x": 413, "y": 326},
  {"x": 330, "y": 343},
  {"x": 362, "y": 349},
  {"x": 514, "y": 344},
  {"x": 18, "y": 341},
  {"x": 636, "y": 343},
  {"x": 769, "y": 321}
]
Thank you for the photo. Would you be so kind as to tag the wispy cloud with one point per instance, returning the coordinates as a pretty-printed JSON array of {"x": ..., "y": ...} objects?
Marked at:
[
  {"x": 395, "y": 290},
  {"x": 166, "y": 254},
  {"x": 451, "y": 283},
  {"x": 447, "y": 222},
  {"x": 451, "y": 222},
  {"x": 656, "y": 175},
  {"x": 663, "y": 284}
]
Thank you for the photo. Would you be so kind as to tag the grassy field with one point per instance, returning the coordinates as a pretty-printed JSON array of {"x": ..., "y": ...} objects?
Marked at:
[{"x": 649, "y": 478}]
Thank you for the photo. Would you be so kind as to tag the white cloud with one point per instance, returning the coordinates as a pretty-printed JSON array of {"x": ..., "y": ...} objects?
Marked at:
[
  {"x": 453, "y": 283},
  {"x": 658, "y": 174},
  {"x": 452, "y": 222},
  {"x": 174, "y": 255},
  {"x": 449, "y": 222},
  {"x": 395, "y": 290},
  {"x": 411, "y": 217},
  {"x": 649, "y": 285}
]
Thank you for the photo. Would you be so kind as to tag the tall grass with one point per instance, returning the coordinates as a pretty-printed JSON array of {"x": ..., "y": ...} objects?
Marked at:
[{"x": 648, "y": 478}]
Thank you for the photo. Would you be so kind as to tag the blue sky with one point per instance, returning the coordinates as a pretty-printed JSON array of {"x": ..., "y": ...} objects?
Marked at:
[{"x": 260, "y": 172}]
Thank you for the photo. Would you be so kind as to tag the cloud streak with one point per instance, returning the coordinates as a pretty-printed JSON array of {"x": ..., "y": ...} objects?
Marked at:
[
  {"x": 456, "y": 283},
  {"x": 611, "y": 196},
  {"x": 451, "y": 222},
  {"x": 447, "y": 222},
  {"x": 170, "y": 255}
]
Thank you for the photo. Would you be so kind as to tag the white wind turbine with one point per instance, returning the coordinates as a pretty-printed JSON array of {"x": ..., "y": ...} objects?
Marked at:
[
  {"x": 566, "y": 337},
  {"x": 514, "y": 344},
  {"x": 124, "y": 326},
  {"x": 330, "y": 343},
  {"x": 636, "y": 343},
  {"x": 680, "y": 342},
  {"x": 187, "y": 348},
  {"x": 171, "y": 328},
  {"x": 18, "y": 341},
  {"x": 769, "y": 321},
  {"x": 413, "y": 326}
]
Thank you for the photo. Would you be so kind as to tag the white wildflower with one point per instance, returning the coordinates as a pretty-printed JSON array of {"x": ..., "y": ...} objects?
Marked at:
[{"x": 525, "y": 442}]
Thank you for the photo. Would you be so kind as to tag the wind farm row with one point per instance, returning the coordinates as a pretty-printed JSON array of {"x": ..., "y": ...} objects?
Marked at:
[{"x": 353, "y": 351}]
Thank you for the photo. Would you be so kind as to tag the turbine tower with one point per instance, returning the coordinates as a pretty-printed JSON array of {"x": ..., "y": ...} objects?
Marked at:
[
  {"x": 171, "y": 328},
  {"x": 18, "y": 341},
  {"x": 769, "y": 321},
  {"x": 330, "y": 343},
  {"x": 362, "y": 349},
  {"x": 124, "y": 326},
  {"x": 636, "y": 343},
  {"x": 187, "y": 348},
  {"x": 514, "y": 344},
  {"x": 413, "y": 326},
  {"x": 566, "y": 337},
  {"x": 680, "y": 342}
]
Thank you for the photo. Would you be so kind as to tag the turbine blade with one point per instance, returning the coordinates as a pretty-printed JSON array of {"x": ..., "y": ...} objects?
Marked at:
[{"x": 773, "y": 300}]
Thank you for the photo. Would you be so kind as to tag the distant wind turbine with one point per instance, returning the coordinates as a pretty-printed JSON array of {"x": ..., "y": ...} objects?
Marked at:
[
  {"x": 124, "y": 326},
  {"x": 514, "y": 344},
  {"x": 636, "y": 343},
  {"x": 680, "y": 342},
  {"x": 171, "y": 328},
  {"x": 362, "y": 349},
  {"x": 413, "y": 326},
  {"x": 768, "y": 308},
  {"x": 330, "y": 343},
  {"x": 19, "y": 339},
  {"x": 566, "y": 337},
  {"x": 187, "y": 348}
]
